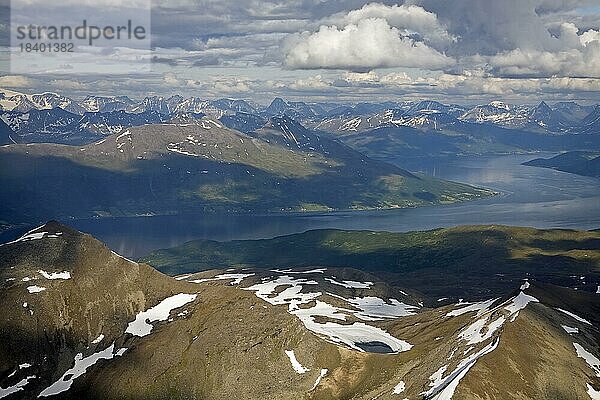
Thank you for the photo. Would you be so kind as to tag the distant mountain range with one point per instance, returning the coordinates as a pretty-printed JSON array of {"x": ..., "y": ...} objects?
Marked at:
[
  {"x": 78, "y": 321},
  {"x": 50, "y": 117},
  {"x": 180, "y": 155}
]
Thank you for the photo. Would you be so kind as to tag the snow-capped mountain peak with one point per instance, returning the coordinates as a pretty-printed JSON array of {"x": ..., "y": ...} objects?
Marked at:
[{"x": 500, "y": 104}]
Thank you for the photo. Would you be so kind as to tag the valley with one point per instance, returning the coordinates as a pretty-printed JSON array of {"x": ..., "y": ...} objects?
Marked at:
[
  {"x": 529, "y": 197},
  {"x": 170, "y": 156},
  {"x": 468, "y": 261},
  {"x": 300, "y": 200},
  {"x": 203, "y": 166}
]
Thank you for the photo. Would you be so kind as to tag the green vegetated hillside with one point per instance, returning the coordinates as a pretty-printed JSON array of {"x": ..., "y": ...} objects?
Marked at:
[
  {"x": 203, "y": 166},
  {"x": 468, "y": 260},
  {"x": 575, "y": 162}
]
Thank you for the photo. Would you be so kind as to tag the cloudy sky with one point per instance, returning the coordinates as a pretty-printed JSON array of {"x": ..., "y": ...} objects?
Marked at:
[{"x": 351, "y": 50}]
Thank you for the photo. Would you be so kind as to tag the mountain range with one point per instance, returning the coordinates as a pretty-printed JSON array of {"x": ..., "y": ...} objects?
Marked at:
[
  {"x": 50, "y": 117},
  {"x": 79, "y": 321},
  {"x": 176, "y": 155},
  {"x": 197, "y": 164}
]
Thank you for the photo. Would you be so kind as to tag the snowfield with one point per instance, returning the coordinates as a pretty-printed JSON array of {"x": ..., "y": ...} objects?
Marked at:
[
  {"x": 291, "y": 295},
  {"x": 79, "y": 368},
  {"x": 473, "y": 333},
  {"x": 141, "y": 325},
  {"x": 37, "y": 236},
  {"x": 594, "y": 394},
  {"x": 486, "y": 324},
  {"x": 354, "y": 334},
  {"x": 519, "y": 303},
  {"x": 350, "y": 335}
]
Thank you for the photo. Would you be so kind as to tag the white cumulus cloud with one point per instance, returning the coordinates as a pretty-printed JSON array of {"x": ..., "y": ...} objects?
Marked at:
[
  {"x": 409, "y": 19},
  {"x": 584, "y": 62},
  {"x": 370, "y": 43},
  {"x": 589, "y": 36}
]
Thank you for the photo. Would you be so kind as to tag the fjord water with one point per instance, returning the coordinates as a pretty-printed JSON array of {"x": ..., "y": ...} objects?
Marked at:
[{"x": 530, "y": 196}]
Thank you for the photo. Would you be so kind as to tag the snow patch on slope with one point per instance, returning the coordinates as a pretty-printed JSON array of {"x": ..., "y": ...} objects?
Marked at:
[
  {"x": 98, "y": 339},
  {"x": 55, "y": 275},
  {"x": 299, "y": 368},
  {"x": 79, "y": 368},
  {"x": 17, "y": 387},
  {"x": 569, "y": 329},
  {"x": 350, "y": 284},
  {"x": 322, "y": 374},
  {"x": 141, "y": 325},
  {"x": 593, "y": 393},
  {"x": 378, "y": 308},
  {"x": 589, "y": 358},
  {"x": 351, "y": 335},
  {"x": 576, "y": 317},
  {"x": 290, "y": 271},
  {"x": 443, "y": 388},
  {"x": 35, "y": 289},
  {"x": 236, "y": 278},
  {"x": 33, "y": 235},
  {"x": 399, "y": 388},
  {"x": 479, "y": 306}
]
